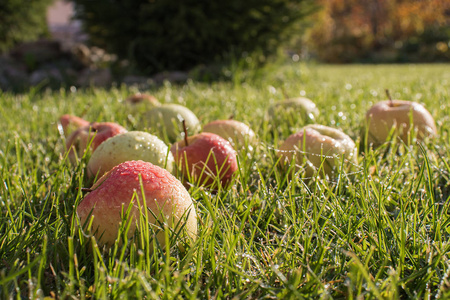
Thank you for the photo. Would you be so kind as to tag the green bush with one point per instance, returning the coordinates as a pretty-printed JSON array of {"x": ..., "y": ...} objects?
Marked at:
[
  {"x": 158, "y": 35},
  {"x": 22, "y": 20}
]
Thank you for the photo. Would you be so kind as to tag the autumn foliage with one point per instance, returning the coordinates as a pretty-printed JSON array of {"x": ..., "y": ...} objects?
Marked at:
[{"x": 381, "y": 30}]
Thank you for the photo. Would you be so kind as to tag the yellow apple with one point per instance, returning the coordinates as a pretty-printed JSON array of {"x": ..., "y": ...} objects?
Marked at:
[
  {"x": 237, "y": 133},
  {"x": 385, "y": 115},
  {"x": 318, "y": 147}
]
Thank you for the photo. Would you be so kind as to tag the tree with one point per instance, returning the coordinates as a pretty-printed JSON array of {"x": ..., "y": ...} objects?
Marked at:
[
  {"x": 22, "y": 20},
  {"x": 352, "y": 30},
  {"x": 158, "y": 35}
]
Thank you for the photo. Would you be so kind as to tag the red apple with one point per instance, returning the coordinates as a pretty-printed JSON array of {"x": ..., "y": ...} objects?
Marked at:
[
  {"x": 318, "y": 147},
  {"x": 78, "y": 141},
  {"x": 164, "y": 195},
  {"x": 385, "y": 115},
  {"x": 237, "y": 133},
  {"x": 70, "y": 123},
  {"x": 204, "y": 157}
]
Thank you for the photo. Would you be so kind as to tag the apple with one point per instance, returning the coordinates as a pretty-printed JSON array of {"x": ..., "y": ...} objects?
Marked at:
[
  {"x": 70, "y": 123},
  {"x": 78, "y": 141},
  {"x": 318, "y": 147},
  {"x": 164, "y": 195},
  {"x": 140, "y": 101},
  {"x": 385, "y": 115},
  {"x": 205, "y": 157},
  {"x": 237, "y": 133},
  {"x": 292, "y": 110},
  {"x": 167, "y": 119},
  {"x": 131, "y": 145}
]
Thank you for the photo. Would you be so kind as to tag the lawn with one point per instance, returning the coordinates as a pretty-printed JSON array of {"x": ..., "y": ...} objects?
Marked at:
[{"x": 380, "y": 230}]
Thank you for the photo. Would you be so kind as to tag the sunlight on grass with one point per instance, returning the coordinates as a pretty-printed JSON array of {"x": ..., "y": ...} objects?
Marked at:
[{"x": 380, "y": 230}]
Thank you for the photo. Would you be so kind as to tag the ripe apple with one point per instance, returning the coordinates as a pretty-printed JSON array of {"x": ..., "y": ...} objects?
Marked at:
[
  {"x": 140, "y": 101},
  {"x": 385, "y": 115},
  {"x": 237, "y": 133},
  {"x": 204, "y": 157},
  {"x": 318, "y": 147},
  {"x": 78, "y": 140},
  {"x": 131, "y": 145},
  {"x": 167, "y": 119},
  {"x": 164, "y": 195},
  {"x": 70, "y": 123},
  {"x": 291, "y": 111}
]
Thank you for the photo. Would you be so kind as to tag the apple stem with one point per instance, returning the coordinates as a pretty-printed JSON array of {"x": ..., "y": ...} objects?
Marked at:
[
  {"x": 185, "y": 133},
  {"x": 86, "y": 190},
  {"x": 231, "y": 117},
  {"x": 389, "y": 97},
  {"x": 92, "y": 128}
]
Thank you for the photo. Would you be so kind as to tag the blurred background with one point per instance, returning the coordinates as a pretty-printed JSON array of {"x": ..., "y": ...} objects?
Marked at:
[{"x": 96, "y": 42}]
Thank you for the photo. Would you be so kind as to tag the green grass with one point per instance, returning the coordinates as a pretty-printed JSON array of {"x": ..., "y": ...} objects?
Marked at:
[{"x": 380, "y": 231}]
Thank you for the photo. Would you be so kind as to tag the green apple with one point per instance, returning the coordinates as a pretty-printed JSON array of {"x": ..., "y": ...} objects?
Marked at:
[
  {"x": 293, "y": 111},
  {"x": 132, "y": 145},
  {"x": 167, "y": 120},
  {"x": 318, "y": 147}
]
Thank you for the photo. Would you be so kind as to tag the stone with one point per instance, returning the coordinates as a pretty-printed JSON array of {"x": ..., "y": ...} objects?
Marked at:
[
  {"x": 13, "y": 74},
  {"x": 51, "y": 75},
  {"x": 140, "y": 81},
  {"x": 171, "y": 76},
  {"x": 95, "y": 77},
  {"x": 37, "y": 52}
]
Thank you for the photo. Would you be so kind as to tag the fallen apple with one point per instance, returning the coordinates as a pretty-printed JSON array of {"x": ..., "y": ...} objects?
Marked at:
[
  {"x": 167, "y": 201},
  {"x": 131, "y": 145},
  {"x": 398, "y": 117},
  {"x": 92, "y": 134},
  {"x": 140, "y": 101},
  {"x": 292, "y": 111},
  {"x": 237, "y": 133},
  {"x": 205, "y": 158},
  {"x": 166, "y": 120},
  {"x": 70, "y": 123},
  {"x": 318, "y": 148}
]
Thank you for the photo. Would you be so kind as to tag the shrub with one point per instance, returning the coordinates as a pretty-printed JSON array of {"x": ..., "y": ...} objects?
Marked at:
[
  {"x": 161, "y": 35},
  {"x": 381, "y": 31},
  {"x": 22, "y": 20}
]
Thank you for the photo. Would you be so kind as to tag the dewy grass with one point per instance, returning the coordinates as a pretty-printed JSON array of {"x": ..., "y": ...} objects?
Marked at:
[{"x": 380, "y": 230}]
